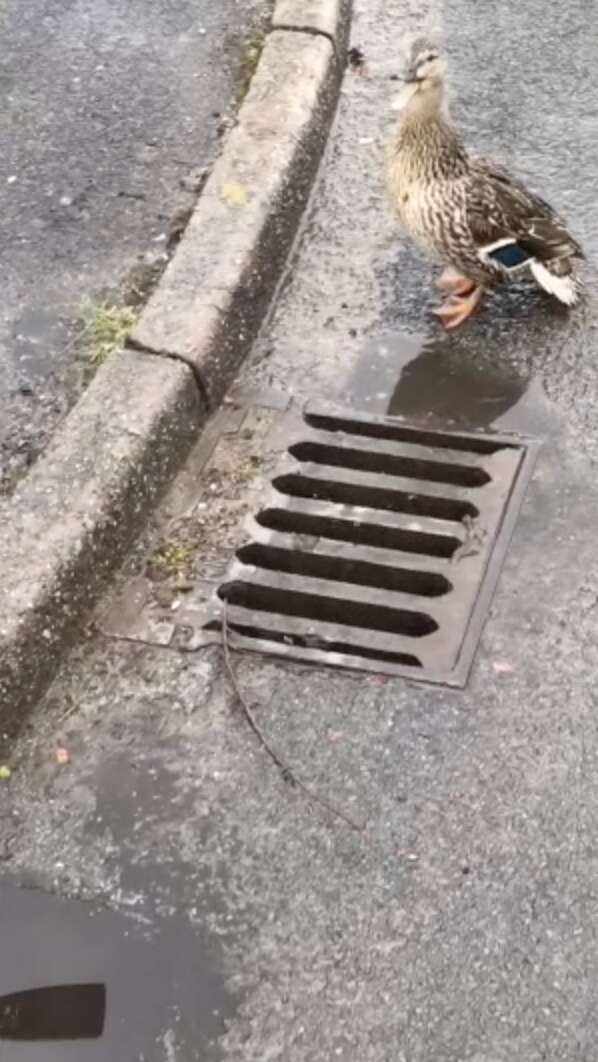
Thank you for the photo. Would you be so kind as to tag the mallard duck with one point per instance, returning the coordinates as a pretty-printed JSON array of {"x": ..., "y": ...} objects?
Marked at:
[{"x": 483, "y": 224}]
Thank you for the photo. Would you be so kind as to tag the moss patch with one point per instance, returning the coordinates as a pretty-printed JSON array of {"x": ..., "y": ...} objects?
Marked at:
[{"x": 171, "y": 559}]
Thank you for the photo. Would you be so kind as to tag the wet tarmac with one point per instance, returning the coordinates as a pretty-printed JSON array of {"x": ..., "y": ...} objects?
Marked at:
[{"x": 110, "y": 111}]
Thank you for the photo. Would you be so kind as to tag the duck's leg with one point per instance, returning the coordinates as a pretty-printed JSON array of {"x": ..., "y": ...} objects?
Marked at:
[
  {"x": 456, "y": 310},
  {"x": 455, "y": 283}
]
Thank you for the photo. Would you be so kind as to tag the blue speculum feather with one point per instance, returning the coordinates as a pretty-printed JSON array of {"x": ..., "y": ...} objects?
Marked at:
[{"x": 509, "y": 256}]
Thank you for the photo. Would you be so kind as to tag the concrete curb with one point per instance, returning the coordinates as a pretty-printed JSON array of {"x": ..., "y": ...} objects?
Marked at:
[
  {"x": 79, "y": 508},
  {"x": 216, "y": 291},
  {"x": 72, "y": 519}
]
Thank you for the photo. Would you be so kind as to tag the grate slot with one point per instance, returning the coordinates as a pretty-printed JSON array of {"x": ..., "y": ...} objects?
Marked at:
[
  {"x": 323, "y": 644},
  {"x": 401, "y": 433},
  {"x": 297, "y": 485},
  {"x": 310, "y": 632},
  {"x": 351, "y": 551},
  {"x": 361, "y": 573},
  {"x": 364, "y": 533},
  {"x": 395, "y": 448},
  {"x": 390, "y": 464},
  {"x": 357, "y": 478},
  {"x": 351, "y": 613}
]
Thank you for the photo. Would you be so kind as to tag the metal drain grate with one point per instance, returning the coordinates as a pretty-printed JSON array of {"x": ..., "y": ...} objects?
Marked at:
[{"x": 379, "y": 547}]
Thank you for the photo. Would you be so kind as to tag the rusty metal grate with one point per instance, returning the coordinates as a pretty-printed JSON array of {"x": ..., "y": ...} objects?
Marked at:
[{"x": 379, "y": 547}]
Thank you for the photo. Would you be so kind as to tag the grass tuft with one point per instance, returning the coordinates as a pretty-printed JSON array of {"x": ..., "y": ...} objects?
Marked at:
[{"x": 105, "y": 328}]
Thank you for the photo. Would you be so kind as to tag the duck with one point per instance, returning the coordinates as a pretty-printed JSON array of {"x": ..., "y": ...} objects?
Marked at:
[{"x": 469, "y": 214}]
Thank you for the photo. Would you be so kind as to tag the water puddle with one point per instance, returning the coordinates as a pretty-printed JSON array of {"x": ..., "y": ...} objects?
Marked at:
[
  {"x": 438, "y": 382},
  {"x": 37, "y": 334},
  {"x": 113, "y": 988}
]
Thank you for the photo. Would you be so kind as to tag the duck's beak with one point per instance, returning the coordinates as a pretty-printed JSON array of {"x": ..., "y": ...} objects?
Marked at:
[{"x": 406, "y": 94}]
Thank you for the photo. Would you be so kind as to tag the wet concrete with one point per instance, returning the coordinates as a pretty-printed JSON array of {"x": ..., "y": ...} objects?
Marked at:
[
  {"x": 462, "y": 926},
  {"x": 165, "y": 996},
  {"x": 109, "y": 110}
]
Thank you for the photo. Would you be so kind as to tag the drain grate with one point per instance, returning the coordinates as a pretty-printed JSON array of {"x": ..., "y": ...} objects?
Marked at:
[{"x": 379, "y": 547}]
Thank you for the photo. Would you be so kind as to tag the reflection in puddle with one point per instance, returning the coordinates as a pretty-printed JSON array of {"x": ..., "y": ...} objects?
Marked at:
[
  {"x": 436, "y": 381},
  {"x": 55, "y": 1012},
  {"x": 383, "y": 359},
  {"x": 163, "y": 992},
  {"x": 447, "y": 384}
]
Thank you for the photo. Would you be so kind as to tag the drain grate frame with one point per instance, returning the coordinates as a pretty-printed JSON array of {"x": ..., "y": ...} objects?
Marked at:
[{"x": 378, "y": 547}]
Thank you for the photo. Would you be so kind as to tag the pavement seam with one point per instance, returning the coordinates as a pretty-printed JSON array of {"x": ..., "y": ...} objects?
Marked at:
[{"x": 180, "y": 359}]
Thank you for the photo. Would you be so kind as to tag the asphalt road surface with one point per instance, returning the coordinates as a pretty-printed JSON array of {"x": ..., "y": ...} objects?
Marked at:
[
  {"x": 107, "y": 105},
  {"x": 463, "y": 928}
]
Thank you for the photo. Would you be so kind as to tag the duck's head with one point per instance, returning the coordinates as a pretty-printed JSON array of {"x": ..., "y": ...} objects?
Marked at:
[{"x": 423, "y": 77}]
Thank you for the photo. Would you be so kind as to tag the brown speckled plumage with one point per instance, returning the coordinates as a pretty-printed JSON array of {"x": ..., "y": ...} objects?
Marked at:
[{"x": 462, "y": 210}]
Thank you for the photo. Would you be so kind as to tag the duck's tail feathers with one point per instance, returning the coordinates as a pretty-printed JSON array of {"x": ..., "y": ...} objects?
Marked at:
[{"x": 565, "y": 287}]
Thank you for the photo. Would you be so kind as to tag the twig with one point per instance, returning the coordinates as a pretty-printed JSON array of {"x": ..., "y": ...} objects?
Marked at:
[{"x": 287, "y": 773}]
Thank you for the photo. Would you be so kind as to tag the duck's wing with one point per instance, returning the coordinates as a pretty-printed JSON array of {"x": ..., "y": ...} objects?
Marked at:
[{"x": 512, "y": 226}]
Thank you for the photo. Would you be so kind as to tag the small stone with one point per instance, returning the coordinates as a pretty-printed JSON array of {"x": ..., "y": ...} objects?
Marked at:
[{"x": 195, "y": 180}]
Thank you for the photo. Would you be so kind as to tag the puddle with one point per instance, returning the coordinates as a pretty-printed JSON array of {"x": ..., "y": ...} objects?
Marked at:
[
  {"x": 165, "y": 997},
  {"x": 37, "y": 334},
  {"x": 134, "y": 801},
  {"x": 438, "y": 382}
]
